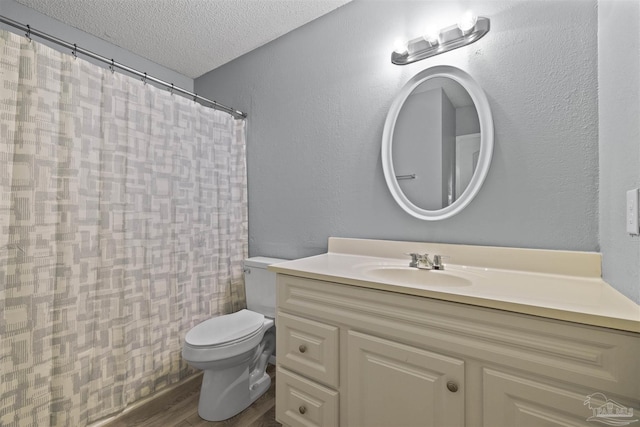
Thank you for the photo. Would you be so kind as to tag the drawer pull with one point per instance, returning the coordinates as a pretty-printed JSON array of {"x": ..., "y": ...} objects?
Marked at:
[
  {"x": 302, "y": 409},
  {"x": 302, "y": 348},
  {"x": 453, "y": 387}
]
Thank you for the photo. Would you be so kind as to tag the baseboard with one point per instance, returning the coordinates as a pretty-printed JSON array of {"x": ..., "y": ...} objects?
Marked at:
[{"x": 186, "y": 383}]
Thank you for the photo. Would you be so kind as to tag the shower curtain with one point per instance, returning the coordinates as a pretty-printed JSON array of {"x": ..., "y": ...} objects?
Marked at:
[{"x": 123, "y": 223}]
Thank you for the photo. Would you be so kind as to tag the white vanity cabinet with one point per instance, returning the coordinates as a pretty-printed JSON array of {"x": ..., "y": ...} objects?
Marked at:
[{"x": 357, "y": 357}]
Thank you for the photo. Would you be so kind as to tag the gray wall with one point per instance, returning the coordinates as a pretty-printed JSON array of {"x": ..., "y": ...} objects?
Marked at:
[
  {"x": 467, "y": 120},
  {"x": 619, "y": 101},
  {"x": 24, "y": 15},
  {"x": 419, "y": 151},
  {"x": 317, "y": 99}
]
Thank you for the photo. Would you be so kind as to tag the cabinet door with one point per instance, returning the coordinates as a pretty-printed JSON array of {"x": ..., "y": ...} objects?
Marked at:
[
  {"x": 510, "y": 400},
  {"x": 393, "y": 384}
]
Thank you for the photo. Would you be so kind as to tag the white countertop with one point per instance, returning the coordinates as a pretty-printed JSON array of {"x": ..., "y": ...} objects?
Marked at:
[{"x": 563, "y": 285}]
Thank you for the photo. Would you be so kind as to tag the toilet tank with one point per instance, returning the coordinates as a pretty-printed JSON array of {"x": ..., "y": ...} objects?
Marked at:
[{"x": 260, "y": 285}]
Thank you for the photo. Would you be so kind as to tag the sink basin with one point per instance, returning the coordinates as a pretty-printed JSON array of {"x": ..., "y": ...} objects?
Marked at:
[{"x": 414, "y": 276}]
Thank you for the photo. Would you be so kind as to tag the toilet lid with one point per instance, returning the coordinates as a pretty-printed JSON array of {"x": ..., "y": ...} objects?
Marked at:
[{"x": 223, "y": 329}]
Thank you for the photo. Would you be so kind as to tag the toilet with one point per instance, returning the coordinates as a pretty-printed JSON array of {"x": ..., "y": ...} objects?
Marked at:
[{"x": 233, "y": 350}]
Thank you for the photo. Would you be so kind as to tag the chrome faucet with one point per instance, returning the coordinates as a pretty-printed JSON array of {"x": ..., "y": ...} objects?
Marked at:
[{"x": 423, "y": 262}]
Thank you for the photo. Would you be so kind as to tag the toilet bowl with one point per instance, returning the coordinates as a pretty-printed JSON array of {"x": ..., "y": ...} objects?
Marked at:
[{"x": 233, "y": 350}]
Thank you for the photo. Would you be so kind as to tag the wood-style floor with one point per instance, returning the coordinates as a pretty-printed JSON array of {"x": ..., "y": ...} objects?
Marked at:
[{"x": 179, "y": 408}]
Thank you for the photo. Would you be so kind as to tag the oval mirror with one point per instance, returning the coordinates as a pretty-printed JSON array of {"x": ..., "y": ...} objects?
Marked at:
[{"x": 437, "y": 143}]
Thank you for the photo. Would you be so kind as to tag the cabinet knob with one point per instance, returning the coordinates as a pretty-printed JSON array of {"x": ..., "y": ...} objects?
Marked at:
[
  {"x": 302, "y": 348},
  {"x": 453, "y": 387},
  {"x": 302, "y": 409}
]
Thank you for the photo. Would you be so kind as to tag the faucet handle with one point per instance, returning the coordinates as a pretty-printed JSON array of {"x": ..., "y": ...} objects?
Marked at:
[
  {"x": 437, "y": 262},
  {"x": 414, "y": 259}
]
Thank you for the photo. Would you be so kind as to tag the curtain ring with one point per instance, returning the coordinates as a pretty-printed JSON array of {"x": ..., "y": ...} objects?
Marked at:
[
  {"x": 195, "y": 96},
  {"x": 144, "y": 79},
  {"x": 112, "y": 66},
  {"x": 74, "y": 52},
  {"x": 171, "y": 90},
  {"x": 28, "y": 33}
]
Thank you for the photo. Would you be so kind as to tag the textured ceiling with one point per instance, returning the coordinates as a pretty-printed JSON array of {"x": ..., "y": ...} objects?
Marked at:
[{"x": 191, "y": 37}]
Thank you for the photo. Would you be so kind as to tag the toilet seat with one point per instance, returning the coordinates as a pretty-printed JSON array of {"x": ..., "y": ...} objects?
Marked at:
[
  {"x": 225, "y": 336},
  {"x": 225, "y": 330}
]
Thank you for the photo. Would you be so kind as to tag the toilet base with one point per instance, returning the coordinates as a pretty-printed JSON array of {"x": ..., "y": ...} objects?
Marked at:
[
  {"x": 259, "y": 388},
  {"x": 230, "y": 390},
  {"x": 219, "y": 405}
]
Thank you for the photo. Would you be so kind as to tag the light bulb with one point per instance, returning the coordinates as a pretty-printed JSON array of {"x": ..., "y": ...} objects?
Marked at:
[
  {"x": 431, "y": 35},
  {"x": 467, "y": 22},
  {"x": 400, "y": 47}
]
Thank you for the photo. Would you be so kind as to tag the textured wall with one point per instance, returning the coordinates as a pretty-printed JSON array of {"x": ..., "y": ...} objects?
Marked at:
[
  {"x": 619, "y": 101},
  {"x": 24, "y": 15},
  {"x": 317, "y": 99}
]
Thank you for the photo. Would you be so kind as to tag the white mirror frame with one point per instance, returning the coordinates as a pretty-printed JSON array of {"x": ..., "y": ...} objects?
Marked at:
[{"x": 486, "y": 142}]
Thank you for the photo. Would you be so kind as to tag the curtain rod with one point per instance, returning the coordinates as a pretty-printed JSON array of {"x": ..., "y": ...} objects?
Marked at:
[{"x": 113, "y": 65}]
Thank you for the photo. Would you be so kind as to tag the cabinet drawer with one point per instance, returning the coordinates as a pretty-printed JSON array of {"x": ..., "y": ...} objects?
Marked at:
[
  {"x": 308, "y": 347},
  {"x": 301, "y": 402}
]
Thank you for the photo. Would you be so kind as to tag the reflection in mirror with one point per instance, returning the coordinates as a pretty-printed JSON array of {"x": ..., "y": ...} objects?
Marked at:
[{"x": 436, "y": 143}]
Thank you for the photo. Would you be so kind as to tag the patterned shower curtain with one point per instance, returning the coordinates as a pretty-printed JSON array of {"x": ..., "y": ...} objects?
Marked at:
[{"x": 123, "y": 223}]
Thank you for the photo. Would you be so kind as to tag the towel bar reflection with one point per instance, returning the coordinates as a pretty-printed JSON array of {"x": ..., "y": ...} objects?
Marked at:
[{"x": 411, "y": 176}]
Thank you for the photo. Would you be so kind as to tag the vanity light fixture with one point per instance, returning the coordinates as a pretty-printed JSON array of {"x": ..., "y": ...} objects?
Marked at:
[
  {"x": 400, "y": 47},
  {"x": 467, "y": 22},
  {"x": 432, "y": 36},
  {"x": 469, "y": 29}
]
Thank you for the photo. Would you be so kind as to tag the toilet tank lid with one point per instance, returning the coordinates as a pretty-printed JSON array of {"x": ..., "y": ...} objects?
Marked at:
[
  {"x": 262, "y": 261},
  {"x": 224, "y": 329}
]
